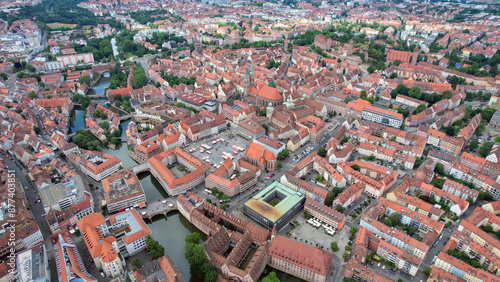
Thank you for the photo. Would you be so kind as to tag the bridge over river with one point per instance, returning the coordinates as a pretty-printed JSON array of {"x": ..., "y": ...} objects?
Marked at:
[{"x": 162, "y": 207}]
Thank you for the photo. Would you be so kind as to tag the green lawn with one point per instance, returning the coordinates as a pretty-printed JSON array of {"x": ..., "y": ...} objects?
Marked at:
[{"x": 61, "y": 26}]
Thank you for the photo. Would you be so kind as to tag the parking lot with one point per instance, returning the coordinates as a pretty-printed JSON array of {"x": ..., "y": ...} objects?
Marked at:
[
  {"x": 314, "y": 236},
  {"x": 358, "y": 207},
  {"x": 217, "y": 149}
]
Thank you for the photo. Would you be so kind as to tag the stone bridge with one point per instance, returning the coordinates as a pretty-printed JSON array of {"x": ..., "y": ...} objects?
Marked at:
[
  {"x": 140, "y": 168},
  {"x": 125, "y": 117},
  {"x": 162, "y": 207}
]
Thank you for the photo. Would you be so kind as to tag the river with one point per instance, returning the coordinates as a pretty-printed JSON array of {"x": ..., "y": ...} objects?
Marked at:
[{"x": 101, "y": 85}]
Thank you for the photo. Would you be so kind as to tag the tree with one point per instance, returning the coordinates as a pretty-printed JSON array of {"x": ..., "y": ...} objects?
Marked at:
[
  {"x": 346, "y": 255},
  {"x": 3, "y": 76},
  {"x": 307, "y": 214},
  {"x": 487, "y": 113},
  {"x": 271, "y": 277},
  {"x": 283, "y": 154},
  {"x": 427, "y": 271},
  {"x": 392, "y": 220},
  {"x": 439, "y": 168},
  {"x": 473, "y": 145},
  {"x": 263, "y": 112},
  {"x": 486, "y": 196},
  {"x": 355, "y": 167},
  {"x": 140, "y": 79},
  {"x": 279, "y": 165},
  {"x": 322, "y": 151},
  {"x": 154, "y": 248},
  {"x": 334, "y": 246},
  {"x": 214, "y": 191},
  {"x": 447, "y": 94},
  {"x": 36, "y": 129},
  {"x": 32, "y": 94},
  {"x": 193, "y": 238},
  {"x": 104, "y": 124},
  {"x": 420, "y": 108},
  {"x": 485, "y": 149},
  {"x": 353, "y": 230},
  {"x": 414, "y": 92},
  {"x": 228, "y": 125},
  {"x": 85, "y": 79},
  {"x": 135, "y": 263}
]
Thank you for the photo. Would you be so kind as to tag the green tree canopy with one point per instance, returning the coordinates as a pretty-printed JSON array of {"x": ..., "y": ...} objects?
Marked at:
[
  {"x": 85, "y": 79},
  {"x": 271, "y": 277},
  {"x": 140, "y": 78}
]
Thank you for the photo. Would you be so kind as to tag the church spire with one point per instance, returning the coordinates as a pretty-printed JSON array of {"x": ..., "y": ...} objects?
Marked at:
[
  {"x": 246, "y": 70},
  {"x": 251, "y": 68}
]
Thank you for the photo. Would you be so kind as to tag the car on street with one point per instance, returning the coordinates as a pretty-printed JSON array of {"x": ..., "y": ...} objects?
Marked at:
[{"x": 102, "y": 274}]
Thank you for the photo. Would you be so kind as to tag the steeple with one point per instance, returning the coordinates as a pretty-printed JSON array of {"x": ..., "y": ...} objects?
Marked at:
[
  {"x": 251, "y": 69},
  {"x": 246, "y": 70},
  {"x": 274, "y": 232}
]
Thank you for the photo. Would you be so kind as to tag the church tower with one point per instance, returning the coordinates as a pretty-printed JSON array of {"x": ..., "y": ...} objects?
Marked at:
[
  {"x": 286, "y": 45},
  {"x": 251, "y": 76},
  {"x": 248, "y": 81},
  {"x": 246, "y": 84},
  {"x": 414, "y": 58}
]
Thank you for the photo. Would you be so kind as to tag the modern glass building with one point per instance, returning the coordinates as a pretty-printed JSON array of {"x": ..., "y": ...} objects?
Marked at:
[{"x": 274, "y": 206}]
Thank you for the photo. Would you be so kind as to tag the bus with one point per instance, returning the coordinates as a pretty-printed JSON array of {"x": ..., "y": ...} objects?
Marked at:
[
  {"x": 206, "y": 146},
  {"x": 208, "y": 152}
]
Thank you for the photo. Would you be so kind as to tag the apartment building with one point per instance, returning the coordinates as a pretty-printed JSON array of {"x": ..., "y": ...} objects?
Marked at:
[
  {"x": 374, "y": 179},
  {"x": 382, "y": 116},
  {"x": 233, "y": 178},
  {"x": 403, "y": 261},
  {"x": 293, "y": 178},
  {"x": 158, "y": 166},
  {"x": 97, "y": 165},
  {"x": 327, "y": 215},
  {"x": 147, "y": 150},
  {"x": 348, "y": 196},
  {"x": 462, "y": 270},
  {"x": 110, "y": 241},
  {"x": 68, "y": 259},
  {"x": 300, "y": 260},
  {"x": 237, "y": 112},
  {"x": 460, "y": 190},
  {"x": 411, "y": 218},
  {"x": 123, "y": 190},
  {"x": 394, "y": 236}
]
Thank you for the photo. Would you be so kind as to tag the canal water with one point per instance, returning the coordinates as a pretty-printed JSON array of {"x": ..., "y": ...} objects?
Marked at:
[
  {"x": 101, "y": 85},
  {"x": 170, "y": 231}
]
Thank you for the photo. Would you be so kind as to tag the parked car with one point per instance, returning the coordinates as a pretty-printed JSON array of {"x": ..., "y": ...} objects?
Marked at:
[{"x": 102, "y": 274}]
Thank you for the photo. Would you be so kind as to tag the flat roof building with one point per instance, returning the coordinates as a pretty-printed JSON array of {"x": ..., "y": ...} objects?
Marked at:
[
  {"x": 382, "y": 116},
  {"x": 33, "y": 265},
  {"x": 274, "y": 206},
  {"x": 123, "y": 190}
]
